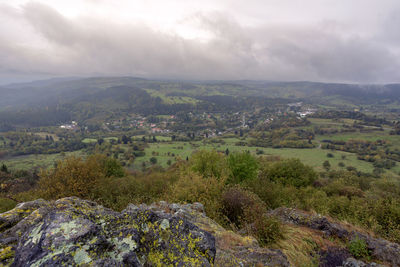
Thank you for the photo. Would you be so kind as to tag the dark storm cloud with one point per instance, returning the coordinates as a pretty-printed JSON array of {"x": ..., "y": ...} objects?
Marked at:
[{"x": 88, "y": 46}]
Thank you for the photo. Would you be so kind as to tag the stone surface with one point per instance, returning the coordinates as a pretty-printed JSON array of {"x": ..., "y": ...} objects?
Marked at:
[
  {"x": 351, "y": 262},
  {"x": 232, "y": 249},
  {"x": 75, "y": 232},
  {"x": 333, "y": 257}
]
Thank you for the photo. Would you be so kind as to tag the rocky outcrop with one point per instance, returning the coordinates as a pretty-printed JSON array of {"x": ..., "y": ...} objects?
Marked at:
[
  {"x": 76, "y": 232},
  {"x": 232, "y": 249},
  {"x": 380, "y": 249},
  {"x": 351, "y": 262}
]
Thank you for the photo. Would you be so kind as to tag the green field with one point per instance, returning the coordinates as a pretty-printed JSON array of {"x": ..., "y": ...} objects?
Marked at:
[
  {"x": 89, "y": 140},
  {"x": 313, "y": 157},
  {"x": 37, "y": 161},
  {"x": 172, "y": 99}
]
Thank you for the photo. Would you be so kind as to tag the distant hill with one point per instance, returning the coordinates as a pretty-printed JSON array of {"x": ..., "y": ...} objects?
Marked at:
[
  {"x": 56, "y": 100},
  {"x": 60, "y": 91}
]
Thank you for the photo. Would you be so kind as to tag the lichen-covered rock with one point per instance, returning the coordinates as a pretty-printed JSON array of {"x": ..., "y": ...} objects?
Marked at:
[
  {"x": 333, "y": 256},
  {"x": 232, "y": 248},
  {"x": 351, "y": 262},
  {"x": 76, "y": 232},
  {"x": 380, "y": 249}
]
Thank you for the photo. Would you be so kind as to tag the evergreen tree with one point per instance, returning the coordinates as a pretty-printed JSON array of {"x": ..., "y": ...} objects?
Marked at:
[
  {"x": 4, "y": 168},
  {"x": 326, "y": 165}
]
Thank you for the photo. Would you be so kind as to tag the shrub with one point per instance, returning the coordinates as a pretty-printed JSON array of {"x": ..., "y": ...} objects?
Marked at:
[
  {"x": 242, "y": 166},
  {"x": 358, "y": 248},
  {"x": 113, "y": 168},
  {"x": 246, "y": 210},
  {"x": 6, "y": 204},
  {"x": 266, "y": 229},
  {"x": 339, "y": 187},
  {"x": 192, "y": 187},
  {"x": 288, "y": 172},
  {"x": 77, "y": 177},
  {"x": 326, "y": 165},
  {"x": 208, "y": 163},
  {"x": 153, "y": 160},
  {"x": 142, "y": 188},
  {"x": 236, "y": 201}
]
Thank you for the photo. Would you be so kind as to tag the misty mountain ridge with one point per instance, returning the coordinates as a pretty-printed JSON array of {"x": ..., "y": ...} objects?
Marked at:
[{"x": 63, "y": 90}]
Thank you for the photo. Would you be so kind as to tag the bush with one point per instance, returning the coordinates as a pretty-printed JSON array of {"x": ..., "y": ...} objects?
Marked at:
[
  {"x": 238, "y": 202},
  {"x": 6, "y": 204},
  {"x": 326, "y": 165},
  {"x": 153, "y": 160},
  {"x": 193, "y": 187},
  {"x": 245, "y": 210},
  {"x": 142, "y": 188},
  {"x": 243, "y": 166},
  {"x": 288, "y": 172},
  {"x": 266, "y": 229},
  {"x": 208, "y": 163},
  {"x": 358, "y": 248},
  {"x": 77, "y": 177}
]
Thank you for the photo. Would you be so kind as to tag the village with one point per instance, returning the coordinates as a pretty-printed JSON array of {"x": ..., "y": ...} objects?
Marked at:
[{"x": 201, "y": 124}]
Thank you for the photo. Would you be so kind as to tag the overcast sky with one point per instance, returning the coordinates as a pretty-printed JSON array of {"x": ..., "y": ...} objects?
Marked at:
[{"x": 319, "y": 40}]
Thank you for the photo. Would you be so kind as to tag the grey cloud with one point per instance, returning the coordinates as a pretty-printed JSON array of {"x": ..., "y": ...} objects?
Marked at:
[
  {"x": 87, "y": 46},
  {"x": 51, "y": 24}
]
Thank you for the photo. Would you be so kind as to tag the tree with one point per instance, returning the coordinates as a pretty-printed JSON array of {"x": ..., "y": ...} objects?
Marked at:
[
  {"x": 4, "y": 168},
  {"x": 125, "y": 139},
  {"x": 153, "y": 160},
  {"x": 288, "y": 172},
  {"x": 326, "y": 165},
  {"x": 243, "y": 166},
  {"x": 113, "y": 168}
]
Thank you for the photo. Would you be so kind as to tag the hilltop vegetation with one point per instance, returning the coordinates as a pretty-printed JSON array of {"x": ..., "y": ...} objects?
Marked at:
[{"x": 237, "y": 191}]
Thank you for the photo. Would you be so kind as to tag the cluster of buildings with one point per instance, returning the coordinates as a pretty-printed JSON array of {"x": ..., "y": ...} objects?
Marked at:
[{"x": 71, "y": 126}]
